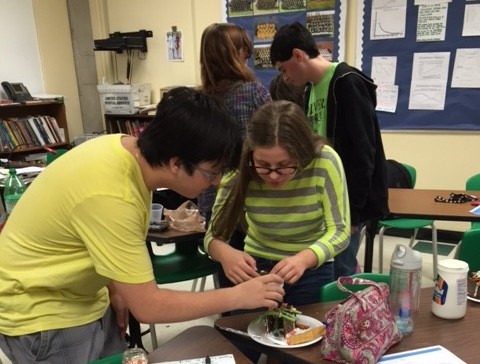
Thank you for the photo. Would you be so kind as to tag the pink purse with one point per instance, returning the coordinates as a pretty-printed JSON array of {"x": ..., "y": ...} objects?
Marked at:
[{"x": 361, "y": 328}]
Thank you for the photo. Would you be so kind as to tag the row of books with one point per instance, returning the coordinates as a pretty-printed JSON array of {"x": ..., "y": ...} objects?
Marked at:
[
  {"x": 133, "y": 127},
  {"x": 29, "y": 131}
]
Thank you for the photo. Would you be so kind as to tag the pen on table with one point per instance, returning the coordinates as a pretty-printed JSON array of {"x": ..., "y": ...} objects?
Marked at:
[{"x": 207, "y": 360}]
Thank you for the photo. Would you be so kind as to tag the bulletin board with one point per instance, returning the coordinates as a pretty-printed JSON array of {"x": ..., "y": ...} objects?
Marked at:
[
  {"x": 461, "y": 105},
  {"x": 261, "y": 18}
]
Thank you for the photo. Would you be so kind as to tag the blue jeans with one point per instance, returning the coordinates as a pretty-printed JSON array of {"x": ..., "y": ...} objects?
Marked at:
[{"x": 346, "y": 262}]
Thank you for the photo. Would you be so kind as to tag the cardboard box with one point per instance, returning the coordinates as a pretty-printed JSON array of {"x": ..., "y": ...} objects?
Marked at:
[{"x": 124, "y": 99}]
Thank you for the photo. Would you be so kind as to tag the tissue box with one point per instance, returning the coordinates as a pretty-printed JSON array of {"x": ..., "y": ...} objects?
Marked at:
[{"x": 124, "y": 99}]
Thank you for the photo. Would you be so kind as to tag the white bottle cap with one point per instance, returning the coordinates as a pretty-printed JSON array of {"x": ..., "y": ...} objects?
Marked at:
[{"x": 406, "y": 258}]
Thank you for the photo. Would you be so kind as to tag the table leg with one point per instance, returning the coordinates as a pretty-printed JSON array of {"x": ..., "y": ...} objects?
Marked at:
[
  {"x": 371, "y": 230},
  {"x": 135, "y": 337}
]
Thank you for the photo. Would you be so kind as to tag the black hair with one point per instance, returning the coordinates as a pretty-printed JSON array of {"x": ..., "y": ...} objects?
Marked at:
[
  {"x": 192, "y": 127},
  {"x": 289, "y": 37}
]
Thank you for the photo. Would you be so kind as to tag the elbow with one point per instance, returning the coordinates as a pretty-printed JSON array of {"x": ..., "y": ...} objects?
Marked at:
[{"x": 143, "y": 316}]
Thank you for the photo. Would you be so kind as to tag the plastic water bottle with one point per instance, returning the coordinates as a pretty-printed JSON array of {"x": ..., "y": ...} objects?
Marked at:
[
  {"x": 14, "y": 188},
  {"x": 405, "y": 284}
]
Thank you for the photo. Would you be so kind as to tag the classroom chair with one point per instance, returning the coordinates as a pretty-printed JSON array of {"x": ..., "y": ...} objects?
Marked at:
[
  {"x": 407, "y": 224},
  {"x": 330, "y": 291},
  {"x": 473, "y": 184},
  {"x": 113, "y": 359},
  {"x": 52, "y": 156},
  {"x": 469, "y": 249}
]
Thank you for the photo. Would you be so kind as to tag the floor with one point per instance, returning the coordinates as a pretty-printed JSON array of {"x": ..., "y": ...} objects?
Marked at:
[{"x": 167, "y": 331}]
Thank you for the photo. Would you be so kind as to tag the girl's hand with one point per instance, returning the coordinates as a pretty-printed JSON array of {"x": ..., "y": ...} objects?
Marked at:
[
  {"x": 239, "y": 266},
  {"x": 291, "y": 269}
]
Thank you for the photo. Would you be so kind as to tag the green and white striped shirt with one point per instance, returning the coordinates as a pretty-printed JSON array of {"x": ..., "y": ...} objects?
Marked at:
[{"x": 311, "y": 211}]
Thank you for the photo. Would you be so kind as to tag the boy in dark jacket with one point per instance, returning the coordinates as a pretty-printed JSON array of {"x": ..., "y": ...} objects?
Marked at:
[{"x": 340, "y": 103}]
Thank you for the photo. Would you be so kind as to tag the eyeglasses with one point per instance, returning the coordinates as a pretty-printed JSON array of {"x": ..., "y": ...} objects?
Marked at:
[
  {"x": 456, "y": 198},
  {"x": 209, "y": 175},
  {"x": 282, "y": 171}
]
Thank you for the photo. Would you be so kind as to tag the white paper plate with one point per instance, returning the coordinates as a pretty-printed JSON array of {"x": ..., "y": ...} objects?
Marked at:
[
  {"x": 473, "y": 299},
  {"x": 256, "y": 330}
]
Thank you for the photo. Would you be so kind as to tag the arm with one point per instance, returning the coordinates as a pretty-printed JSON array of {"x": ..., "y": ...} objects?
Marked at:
[
  {"x": 237, "y": 265},
  {"x": 336, "y": 210},
  {"x": 150, "y": 304},
  {"x": 119, "y": 307}
]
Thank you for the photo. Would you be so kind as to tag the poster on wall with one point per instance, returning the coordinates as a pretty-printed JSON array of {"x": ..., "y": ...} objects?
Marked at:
[
  {"x": 325, "y": 19},
  {"x": 174, "y": 46}
]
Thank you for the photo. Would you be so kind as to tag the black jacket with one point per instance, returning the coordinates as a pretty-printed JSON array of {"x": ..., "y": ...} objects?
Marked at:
[{"x": 354, "y": 132}]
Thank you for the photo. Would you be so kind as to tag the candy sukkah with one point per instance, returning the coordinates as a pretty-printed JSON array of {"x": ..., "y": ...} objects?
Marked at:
[{"x": 282, "y": 322}]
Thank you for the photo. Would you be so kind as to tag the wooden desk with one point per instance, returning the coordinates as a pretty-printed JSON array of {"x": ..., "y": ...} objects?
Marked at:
[
  {"x": 197, "y": 342},
  {"x": 458, "y": 336},
  {"x": 420, "y": 204}
]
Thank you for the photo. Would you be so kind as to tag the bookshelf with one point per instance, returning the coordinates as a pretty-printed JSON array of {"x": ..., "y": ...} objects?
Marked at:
[
  {"x": 21, "y": 128},
  {"x": 127, "y": 124}
]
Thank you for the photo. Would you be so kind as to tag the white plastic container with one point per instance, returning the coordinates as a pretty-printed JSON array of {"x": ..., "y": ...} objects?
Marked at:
[
  {"x": 124, "y": 99},
  {"x": 450, "y": 290}
]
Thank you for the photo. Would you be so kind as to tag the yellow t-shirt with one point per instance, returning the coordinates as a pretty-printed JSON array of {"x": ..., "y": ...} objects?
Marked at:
[{"x": 80, "y": 224}]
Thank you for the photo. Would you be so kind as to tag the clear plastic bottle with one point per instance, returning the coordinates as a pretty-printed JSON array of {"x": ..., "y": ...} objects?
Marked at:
[
  {"x": 14, "y": 188},
  {"x": 405, "y": 284}
]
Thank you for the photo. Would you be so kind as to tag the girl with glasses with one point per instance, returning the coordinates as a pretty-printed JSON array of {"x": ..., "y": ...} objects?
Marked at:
[{"x": 290, "y": 193}]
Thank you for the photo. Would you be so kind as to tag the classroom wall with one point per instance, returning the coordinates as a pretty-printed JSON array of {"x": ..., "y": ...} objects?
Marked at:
[
  {"x": 442, "y": 160},
  {"x": 189, "y": 16},
  {"x": 56, "y": 55}
]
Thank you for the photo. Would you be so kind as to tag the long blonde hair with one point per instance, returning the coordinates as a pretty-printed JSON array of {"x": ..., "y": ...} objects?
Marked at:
[{"x": 220, "y": 61}]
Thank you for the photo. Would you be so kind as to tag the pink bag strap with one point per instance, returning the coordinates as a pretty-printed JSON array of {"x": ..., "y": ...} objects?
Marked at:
[{"x": 356, "y": 281}]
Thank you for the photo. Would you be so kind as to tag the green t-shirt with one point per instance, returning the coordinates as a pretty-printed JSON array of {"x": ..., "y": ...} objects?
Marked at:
[{"x": 317, "y": 103}]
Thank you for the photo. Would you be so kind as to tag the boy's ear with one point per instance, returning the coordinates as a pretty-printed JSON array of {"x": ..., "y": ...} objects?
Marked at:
[
  {"x": 175, "y": 164},
  {"x": 298, "y": 54}
]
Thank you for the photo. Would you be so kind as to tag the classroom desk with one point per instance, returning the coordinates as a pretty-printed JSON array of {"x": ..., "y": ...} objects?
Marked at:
[
  {"x": 420, "y": 204},
  {"x": 458, "y": 336},
  {"x": 173, "y": 236},
  {"x": 197, "y": 342}
]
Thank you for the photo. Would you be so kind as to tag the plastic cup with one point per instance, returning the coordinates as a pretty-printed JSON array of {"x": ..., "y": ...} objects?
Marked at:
[{"x": 156, "y": 214}]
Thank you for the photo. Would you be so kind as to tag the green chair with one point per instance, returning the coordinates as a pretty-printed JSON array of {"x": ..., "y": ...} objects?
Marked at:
[
  {"x": 473, "y": 184},
  {"x": 113, "y": 359},
  {"x": 407, "y": 224},
  {"x": 330, "y": 291},
  {"x": 469, "y": 249},
  {"x": 52, "y": 156}
]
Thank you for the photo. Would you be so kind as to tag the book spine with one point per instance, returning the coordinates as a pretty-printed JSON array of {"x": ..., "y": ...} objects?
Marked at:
[
  {"x": 31, "y": 133},
  {"x": 48, "y": 132},
  {"x": 55, "y": 133},
  {"x": 39, "y": 125},
  {"x": 60, "y": 133},
  {"x": 11, "y": 134},
  {"x": 4, "y": 138},
  {"x": 35, "y": 128}
]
